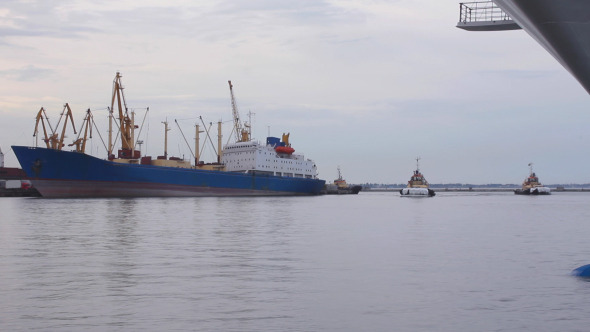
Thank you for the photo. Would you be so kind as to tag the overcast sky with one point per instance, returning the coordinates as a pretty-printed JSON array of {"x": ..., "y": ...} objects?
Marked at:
[{"x": 364, "y": 85}]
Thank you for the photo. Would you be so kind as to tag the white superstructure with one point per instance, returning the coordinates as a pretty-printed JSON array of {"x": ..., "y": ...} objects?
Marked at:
[
  {"x": 252, "y": 156},
  {"x": 1, "y": 158}
]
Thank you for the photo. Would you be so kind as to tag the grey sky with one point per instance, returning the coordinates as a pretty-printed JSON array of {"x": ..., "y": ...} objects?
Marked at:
[{"x": 367, "y": 85}]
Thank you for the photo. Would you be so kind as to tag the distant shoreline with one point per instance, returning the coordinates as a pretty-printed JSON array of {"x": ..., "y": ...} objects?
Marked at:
[{"x": 478, "y": 189}]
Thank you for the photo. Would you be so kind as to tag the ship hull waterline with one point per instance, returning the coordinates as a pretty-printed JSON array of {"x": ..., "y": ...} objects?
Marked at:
[
  {"x": 417, "y": 192},
  {"x": 64, "y": 174},
  {"x": 532, "y": 192}
]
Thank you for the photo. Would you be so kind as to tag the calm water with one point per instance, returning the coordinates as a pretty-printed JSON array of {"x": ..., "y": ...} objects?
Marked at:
[{"x": 372, "y": 262}]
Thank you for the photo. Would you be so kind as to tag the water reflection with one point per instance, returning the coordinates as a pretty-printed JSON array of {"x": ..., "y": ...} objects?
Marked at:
[
  {"x": 120, "y": 250},
  {"x": 369, "y": 262}
]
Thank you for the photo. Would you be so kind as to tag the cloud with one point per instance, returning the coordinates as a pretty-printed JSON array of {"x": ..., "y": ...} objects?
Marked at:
[
  {"x": 513, "y": 74},
  {"x": 299, "y": 13},
  {"x": 26, "y": 74},
  {"x": 41, "y": 19}
]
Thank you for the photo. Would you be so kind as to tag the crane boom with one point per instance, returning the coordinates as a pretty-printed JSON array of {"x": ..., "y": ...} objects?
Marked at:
[
  {"x": 126, "y": 123},
  {"x": 42, "y": 117},
  {"x": 69, "y": 115},
  {"x": 236, "y": 113},
  {"x": 242, "y": 134}
]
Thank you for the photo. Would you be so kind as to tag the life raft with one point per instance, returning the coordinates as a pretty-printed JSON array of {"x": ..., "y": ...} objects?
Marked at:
[{"x": 284, "y": 149}]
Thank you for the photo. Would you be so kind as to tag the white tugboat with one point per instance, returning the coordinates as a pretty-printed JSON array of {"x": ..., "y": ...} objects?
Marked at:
[
  {"x": 532, "y": 186},
  {"x": 417, "y": 186}
]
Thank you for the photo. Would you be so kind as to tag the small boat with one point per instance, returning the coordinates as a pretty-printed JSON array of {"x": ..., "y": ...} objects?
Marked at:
[
  {"x": 14, "y": 182},
  {"x": 417, "y": 186},
  {"x": 532, "y": 186},
  {"x": 340, "y": 187}
]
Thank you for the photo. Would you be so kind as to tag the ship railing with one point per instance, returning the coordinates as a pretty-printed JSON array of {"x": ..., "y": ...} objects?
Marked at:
[
  {"x": 481, "y": 11},
  {"x": 484, "y": 16}
]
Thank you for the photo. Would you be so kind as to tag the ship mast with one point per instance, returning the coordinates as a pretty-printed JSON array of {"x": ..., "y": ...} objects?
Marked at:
[
  {"x": 418, "y": 164},
  {"x": 166, "y": 130},
  {"x": 248, "y": 124},
  {"x": 219, "y": 136},
  {"x": 197, "y": 152}
]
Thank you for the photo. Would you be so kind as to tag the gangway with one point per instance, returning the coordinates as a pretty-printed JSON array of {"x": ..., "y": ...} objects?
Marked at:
[{"x": 484, "y": 16}]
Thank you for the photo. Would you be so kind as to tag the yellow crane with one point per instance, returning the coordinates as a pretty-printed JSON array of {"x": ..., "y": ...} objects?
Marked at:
[
  {"x": 242, "y": 132},
  {"x": 80, "y": 142},
  {"x": 42, "y": 117},
  {"x": 67, "y": 111},
  {"x": 126, "y": 123},
  {"x": 54, "y": 140}
]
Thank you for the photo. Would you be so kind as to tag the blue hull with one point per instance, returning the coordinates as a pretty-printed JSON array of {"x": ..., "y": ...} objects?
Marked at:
[{"x": 71, "y": 174}]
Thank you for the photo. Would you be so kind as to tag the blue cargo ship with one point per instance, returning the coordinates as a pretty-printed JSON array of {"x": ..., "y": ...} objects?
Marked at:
[
  {"x": 243, "y": 168},
  {"x": 58, "y": 173}
]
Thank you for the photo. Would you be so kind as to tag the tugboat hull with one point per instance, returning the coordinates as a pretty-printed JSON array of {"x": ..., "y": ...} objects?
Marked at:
[
  {"x": 331, "y": 189},
  {"x": 533, "y": 191},
  {"x": 417, "y": 192}
]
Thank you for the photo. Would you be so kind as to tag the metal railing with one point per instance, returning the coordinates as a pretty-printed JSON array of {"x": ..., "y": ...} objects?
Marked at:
[{"x": 481, "y": 11}]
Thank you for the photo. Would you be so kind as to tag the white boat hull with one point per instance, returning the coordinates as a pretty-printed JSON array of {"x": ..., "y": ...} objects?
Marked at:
[{"x": 417, "y": 192}]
